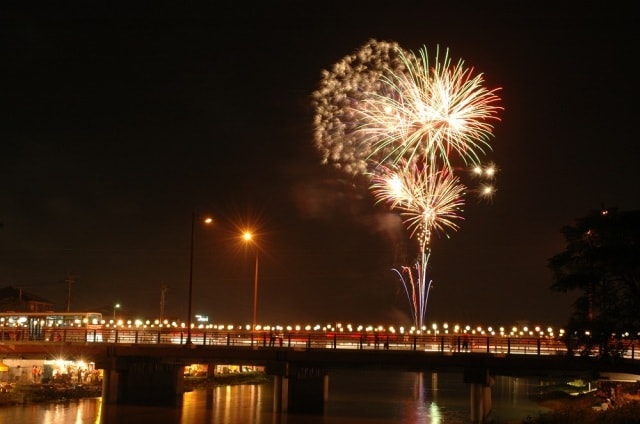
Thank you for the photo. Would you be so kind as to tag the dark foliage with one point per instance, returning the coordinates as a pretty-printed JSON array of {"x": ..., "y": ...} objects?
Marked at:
[{"x": 602, "y": 264}]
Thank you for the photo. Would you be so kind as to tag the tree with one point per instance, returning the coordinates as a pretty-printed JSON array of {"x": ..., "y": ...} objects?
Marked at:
[{"x": 602, "y": 263}]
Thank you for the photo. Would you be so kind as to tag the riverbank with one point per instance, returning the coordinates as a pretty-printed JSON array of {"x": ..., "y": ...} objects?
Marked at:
[
  {"x": 602, "y": 405},
  {"x": 21, "y": 393},
  {"x": 585, "y": 411}
]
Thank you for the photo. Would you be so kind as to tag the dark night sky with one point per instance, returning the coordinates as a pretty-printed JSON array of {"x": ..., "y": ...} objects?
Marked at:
[{"x": 117, "y": 123}]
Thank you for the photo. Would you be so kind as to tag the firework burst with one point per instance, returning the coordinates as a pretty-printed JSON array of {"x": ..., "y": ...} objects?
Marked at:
[
  {"x": 429, "y": 199},
  {"x": 428, "y": 110},
  {"x": 339, "y": 102}
]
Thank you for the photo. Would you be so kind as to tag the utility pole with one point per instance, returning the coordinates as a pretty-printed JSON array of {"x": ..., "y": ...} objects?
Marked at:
[
  {"x": 69, "y": 280},
  {"x": 163, "y": 292}
]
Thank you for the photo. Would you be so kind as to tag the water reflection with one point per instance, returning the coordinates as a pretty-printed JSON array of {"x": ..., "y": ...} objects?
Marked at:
[{"x": 367, "y": 398}]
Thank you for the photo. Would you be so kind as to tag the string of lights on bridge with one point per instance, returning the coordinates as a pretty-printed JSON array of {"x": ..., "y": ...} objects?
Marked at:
[
  {"x": 97, "y": 322},
  {"x": 435, "y": 329}
]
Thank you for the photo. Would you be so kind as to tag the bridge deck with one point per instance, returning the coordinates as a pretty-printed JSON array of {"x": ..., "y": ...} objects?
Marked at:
[{"x": 503, "y": 355}]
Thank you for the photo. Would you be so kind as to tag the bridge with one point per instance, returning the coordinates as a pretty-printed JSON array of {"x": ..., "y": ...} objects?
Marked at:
[{"x": 145, "y": 365}]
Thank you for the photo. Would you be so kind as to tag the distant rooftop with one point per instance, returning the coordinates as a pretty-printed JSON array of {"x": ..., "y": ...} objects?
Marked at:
[{"x": 17, "y": 299}]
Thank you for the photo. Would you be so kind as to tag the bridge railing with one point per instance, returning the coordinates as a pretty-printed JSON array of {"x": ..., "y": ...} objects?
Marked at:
[{"x": 304, "y": 339}]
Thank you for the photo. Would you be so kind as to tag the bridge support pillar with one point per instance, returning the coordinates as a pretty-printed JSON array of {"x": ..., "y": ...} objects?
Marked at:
[
  {"x": 211, "y": 369},
  {"x": 143, "y": 381},
  {"x": 307, "y": 389},
  {"x": 280, "y": 393},
  {"x": 299, "y": 389},
  {"x": 480, "y": 403},
  {"x": 480, "y": 383}
]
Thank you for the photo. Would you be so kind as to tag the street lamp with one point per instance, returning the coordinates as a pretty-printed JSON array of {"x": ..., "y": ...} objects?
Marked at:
[
  {"x": 116, "y": 306},
  {"x": 247, "y": 236},
  {"x": 206, "y": 220}
]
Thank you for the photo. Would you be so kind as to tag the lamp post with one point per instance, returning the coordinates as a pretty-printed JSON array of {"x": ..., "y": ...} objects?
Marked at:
[
  {"x": 249, "y": 237},
  {"x": 255, "y": 293},
  {"x": 193, "y": 236},
  {"x": 116, "y": 306}
]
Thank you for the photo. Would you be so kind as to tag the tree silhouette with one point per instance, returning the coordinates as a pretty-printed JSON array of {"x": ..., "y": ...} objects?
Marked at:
[{"x": 602, "y": 263}]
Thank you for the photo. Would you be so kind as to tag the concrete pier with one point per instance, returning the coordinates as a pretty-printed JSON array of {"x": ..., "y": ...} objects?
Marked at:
[
  {"x": 480, "y": 382},
  {"x": 301, "y": 389},
  {"x": 138, "y": 380}
]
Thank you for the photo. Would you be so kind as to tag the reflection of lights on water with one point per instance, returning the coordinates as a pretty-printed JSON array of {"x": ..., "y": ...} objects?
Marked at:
[
  {"x": 226, "y": 404},
  {"x": 84, "y": 409},
  {"x": 99, "y": 411},
  {"x": 427, "y": 411},
  {"x": 434, "y": 385},
  {"x": 435, "y": 413}
]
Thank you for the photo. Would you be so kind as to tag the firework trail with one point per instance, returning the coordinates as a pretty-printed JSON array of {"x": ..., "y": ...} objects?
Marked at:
[
  {"x": 416, "y": 288},
  {"x": 429, "y": 200}
]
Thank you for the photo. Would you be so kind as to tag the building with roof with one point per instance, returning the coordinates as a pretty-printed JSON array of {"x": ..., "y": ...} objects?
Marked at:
[{"x": 19, "y": 300}]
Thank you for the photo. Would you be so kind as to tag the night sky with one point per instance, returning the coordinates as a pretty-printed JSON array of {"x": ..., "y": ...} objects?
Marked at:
[{"x": 119, "y": 122}]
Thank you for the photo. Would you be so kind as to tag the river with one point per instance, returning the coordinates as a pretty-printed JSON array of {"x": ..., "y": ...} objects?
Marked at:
[{"x": 379, "y": 397}]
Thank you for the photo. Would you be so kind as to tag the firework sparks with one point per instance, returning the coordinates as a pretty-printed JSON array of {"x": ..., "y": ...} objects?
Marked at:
[
  {"x": 429, "y": 110},
  {"x": 339, "y": 100},
  {"x": 428, "y": 199},
  {"x": 486, "y": 190},
  {"x": 487, "y": 172}
]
